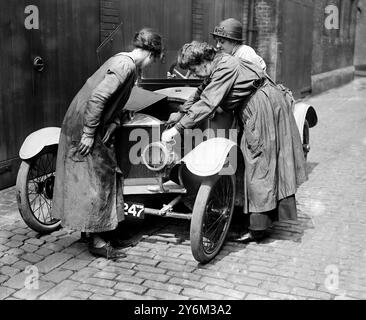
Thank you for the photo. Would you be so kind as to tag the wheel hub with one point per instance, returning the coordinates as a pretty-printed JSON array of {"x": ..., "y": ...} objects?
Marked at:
[{"x": 48, "y": 188}]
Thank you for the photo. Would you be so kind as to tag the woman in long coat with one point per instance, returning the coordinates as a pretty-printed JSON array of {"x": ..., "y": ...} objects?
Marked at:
[
  {"x": 271, "y": 143},
  {"x": 88, "y": 194}
]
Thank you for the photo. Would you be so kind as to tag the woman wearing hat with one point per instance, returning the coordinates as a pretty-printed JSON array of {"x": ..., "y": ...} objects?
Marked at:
[
  {"x": 228, "y": 36},
  {"x": 271, "y": 143},
  {"x": 87, "y": 195}
]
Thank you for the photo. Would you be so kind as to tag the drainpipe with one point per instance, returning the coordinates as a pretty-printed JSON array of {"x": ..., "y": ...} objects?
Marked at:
[{"x": 250, "y": 29}]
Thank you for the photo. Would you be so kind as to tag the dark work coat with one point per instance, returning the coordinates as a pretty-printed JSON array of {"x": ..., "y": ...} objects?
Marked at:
[
  {"x": 87, "y": 195},
  {"x": 271, "y": 143}
]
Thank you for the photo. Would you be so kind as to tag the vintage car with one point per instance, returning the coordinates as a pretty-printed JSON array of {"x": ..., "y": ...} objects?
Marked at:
[{"x": 202, "y": 184}]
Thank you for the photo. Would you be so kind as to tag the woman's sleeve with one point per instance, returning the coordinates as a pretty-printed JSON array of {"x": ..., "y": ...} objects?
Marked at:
[
  {"x": 113, "y": 80},
  {"x": 195, "y": 97},
  {"x": 210, "y": 98}
]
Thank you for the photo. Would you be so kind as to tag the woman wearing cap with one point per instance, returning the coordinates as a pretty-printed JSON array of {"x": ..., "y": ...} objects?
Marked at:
[
  {"x": 271, "y": 143},
  {"x": 87, "y": 195},
  {"x": 228, "y": 36}
]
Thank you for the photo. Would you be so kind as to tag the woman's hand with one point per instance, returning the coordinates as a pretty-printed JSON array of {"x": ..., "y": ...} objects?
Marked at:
[
  {"x": 86, "y": 144},
  {"x": 175, "y": 117},
  {"x": 168, "y": 135},
  {"x": 112, "y": 127}
]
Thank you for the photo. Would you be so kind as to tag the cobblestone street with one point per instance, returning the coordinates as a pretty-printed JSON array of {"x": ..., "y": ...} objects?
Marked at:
[{"x": 321, "y": 256}]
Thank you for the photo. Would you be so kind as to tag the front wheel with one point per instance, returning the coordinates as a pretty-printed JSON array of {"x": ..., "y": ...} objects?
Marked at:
[
  {"x": 34, "y": 189},
  {"x": 212, "y": 214},
  {"x": 306, "y": 139}
]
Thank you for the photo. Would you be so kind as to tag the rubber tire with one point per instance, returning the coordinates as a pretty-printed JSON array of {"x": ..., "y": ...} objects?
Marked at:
[
  {"x": 198, "y": 214},
  {"x": 23, "y": 201},
  {"x": 306, "y": 137}
]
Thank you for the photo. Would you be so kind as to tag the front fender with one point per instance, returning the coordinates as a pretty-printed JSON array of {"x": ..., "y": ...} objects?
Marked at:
[
  {"x": 37, "y": 140},
  {"x": 302, "y": 112},
  {"x": 209, "y": 157}
]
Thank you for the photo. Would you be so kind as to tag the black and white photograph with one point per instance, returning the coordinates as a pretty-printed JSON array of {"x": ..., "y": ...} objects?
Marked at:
[{"x": 206, "y": 152}]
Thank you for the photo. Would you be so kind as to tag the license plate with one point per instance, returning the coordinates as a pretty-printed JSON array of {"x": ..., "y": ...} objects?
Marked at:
[{"x": 134, "y": 210}]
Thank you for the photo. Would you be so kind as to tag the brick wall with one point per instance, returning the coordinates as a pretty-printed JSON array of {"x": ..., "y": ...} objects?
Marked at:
[
  {"x": 333, "y": 49},
  {"x": 266, "y": 34},
  {"x": 197, "y": 20},
  {"x": 109, "y": 17},
  {"x": 265, "y": 27},
  {"x": 360, "y": 50}
]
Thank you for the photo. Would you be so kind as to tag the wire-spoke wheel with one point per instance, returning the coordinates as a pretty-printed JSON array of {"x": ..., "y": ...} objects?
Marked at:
[
  {"x": 35, "y": 183},
  {"x": 212, "y": 213}
]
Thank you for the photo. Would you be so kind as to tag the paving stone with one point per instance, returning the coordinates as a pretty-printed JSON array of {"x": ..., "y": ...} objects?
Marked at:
[
  {"x": 5, "y": 292},
  {"x": 57, "y": 275},
  {"x": 257, "y": 297},
  {"x": 130, "y": 287},
  {"x": 44, "y": 252},
  {"x": 9, "y": 271},
  {"x": 175, "y": 267},
  {"x": 21, "y": 264},
  {"x": 53, "y": 261},
  {"x": 100, "y": 282},
  {"x": 8, "y": 259},
  {"x": 35, "y": 242},
  {"x": 163, "y": 286},
  {"x": 24, "y": 230},
  {"x": 6, "y": 234},
  {"x": 59, "y": 233},
  {"x": 235, "y": 294},
  {"x": 4, "y": 240},
  {"x": 195, "y": 293},
  {"x": 96, "y": 289},
  {"x": 48, "y": 238},
  {"x": 33, "y": 234},
  {"x": 19, "y": 237},
  {"x": 141, "y": 260},
  {"x": 185, "y": 275},
  {"x": 106, "y": 275},
  {"x": 61, "y": 290},
  {"x": 83, "y": 295},
  {"x": 187, "y": 283},
  {"x": 14, "y": 244},
  {"x": 149, "y": 269},
  {"x": 86, "y": 256},
  {"x": 14, "y": 252},
  {"x": 102, "y": 297},
  {"x": 32, "y": 257},
  {"x": 32, "y": 294},
  {"x": 249, "y": 289},
  {"x": 3, "y": 278},
  {"x": 52, "y": 246},
  {"x": 29, "y": 248},
  {"x": 219, "y": 282},
  {"x": 75, "y": 264},
  {"x": 130, "y": 279},
  {"x": 133, "y": 296},
  {"x": 311, "y": 293},
  {"x": 152, "y": 276},
  {"x": 76, "y": 249},
  {"x": 118, "y": 270},
  {"x": 160, "y": 294},
  {"x": 84, "y": 274},
  {"x": 17, "y": 281},
  {"x": 282, "y": 296},
  {"x": 66, "y": 241}
]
